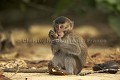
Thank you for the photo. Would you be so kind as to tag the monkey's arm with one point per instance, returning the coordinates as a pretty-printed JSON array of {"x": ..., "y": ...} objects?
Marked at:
[
  {"x": 77, "y": 46},
  {"x": 72, "y": 48},
  {"x": 84, "y": 51},
  {"x": 68, "y": 47}
]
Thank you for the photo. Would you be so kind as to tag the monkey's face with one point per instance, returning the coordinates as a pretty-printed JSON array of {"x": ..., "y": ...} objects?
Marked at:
[
  {"x": 62, "y": 27},
  {"x": 62, "y": 24}
]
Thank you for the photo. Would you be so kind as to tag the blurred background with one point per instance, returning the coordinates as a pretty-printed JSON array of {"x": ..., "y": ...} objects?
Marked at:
[{"x": 24, "y": 27}]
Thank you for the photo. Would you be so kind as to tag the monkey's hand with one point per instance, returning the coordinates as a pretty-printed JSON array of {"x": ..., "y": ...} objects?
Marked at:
[{"x": 53, "y": 35}]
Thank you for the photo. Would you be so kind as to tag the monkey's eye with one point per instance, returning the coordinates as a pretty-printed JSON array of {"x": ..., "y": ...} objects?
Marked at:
[{"x": 61, "y": 26}]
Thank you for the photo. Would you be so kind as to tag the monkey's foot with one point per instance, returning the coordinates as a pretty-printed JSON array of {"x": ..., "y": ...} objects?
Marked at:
[{"x": 57, "y": 71}]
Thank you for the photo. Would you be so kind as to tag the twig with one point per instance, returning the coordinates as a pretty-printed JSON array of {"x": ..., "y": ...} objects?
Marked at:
[
  {"x": 92, "y": 72},
  {"x": 15, "y": 71},
  {"x": 26, "y": 70}
]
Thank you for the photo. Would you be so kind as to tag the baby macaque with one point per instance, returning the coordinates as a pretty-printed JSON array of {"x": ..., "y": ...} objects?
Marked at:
[{"x": 68, "y": 47}]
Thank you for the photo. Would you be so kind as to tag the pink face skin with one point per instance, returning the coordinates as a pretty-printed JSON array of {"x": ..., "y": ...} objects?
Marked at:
[
  {"x": 60, "y": 34},
  {"x": 60, "y": 30}
]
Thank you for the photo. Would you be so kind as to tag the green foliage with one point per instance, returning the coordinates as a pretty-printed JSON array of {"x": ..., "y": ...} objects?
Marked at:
[
  {"x": 112, "y": 7},
  {"x": 23, "y": 7},
  {"x": 115, "y": 23},
  {"x": 109, "y": 5},
  {"x": 79, "y": 7},
  {"x": 63, "y": 6},
  {"x": 107, "y": 1},
  {"x": 104, "y": 5},
  {"x": 111, "y": 1}
]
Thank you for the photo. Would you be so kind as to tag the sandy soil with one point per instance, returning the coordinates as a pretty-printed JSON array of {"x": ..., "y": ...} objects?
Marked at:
[
  {"x": 43, "y": 52},
  {"x": 46, "y": 76}
]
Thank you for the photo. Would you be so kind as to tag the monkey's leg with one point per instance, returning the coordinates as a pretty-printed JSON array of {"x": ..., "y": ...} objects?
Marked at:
[
  {"x": 56, "y": 60},
  {"x": 70, "y": 65},
  {"x": 55, "y": 70},
  {"x": 50, "y": 67},
  {"x": 53, "y": 65}
]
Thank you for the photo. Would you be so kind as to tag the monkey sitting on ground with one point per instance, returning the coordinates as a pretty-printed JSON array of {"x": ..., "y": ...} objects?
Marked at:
[{"x": 68, "y": 47}]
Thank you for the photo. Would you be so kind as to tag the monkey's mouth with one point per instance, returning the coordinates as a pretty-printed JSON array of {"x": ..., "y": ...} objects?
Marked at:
[{"x": 59, "y": 35}]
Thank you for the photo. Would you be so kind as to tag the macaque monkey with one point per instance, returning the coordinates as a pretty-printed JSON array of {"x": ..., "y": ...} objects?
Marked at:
[{"x": 68, "y": 47}]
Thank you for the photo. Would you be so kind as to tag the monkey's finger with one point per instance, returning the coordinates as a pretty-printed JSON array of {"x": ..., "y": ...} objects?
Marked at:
[{"x": 52, "y": 32}]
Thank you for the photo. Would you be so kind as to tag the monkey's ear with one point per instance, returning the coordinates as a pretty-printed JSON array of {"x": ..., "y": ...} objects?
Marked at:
[
  {"x": 72, "y": 24},
  {"x": 53, "y": 25},
  {"x": 53, "y": 22}
]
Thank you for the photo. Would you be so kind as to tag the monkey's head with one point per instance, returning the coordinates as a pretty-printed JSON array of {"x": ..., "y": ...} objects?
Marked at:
[{"x": 62, "y": 24}]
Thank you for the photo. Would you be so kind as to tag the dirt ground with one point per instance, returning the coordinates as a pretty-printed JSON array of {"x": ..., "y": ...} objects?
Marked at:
[
  {"x": 28, "y": 49},
  {"x": 104, "y": 55},
  {"x": 46, "y": 76}
]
